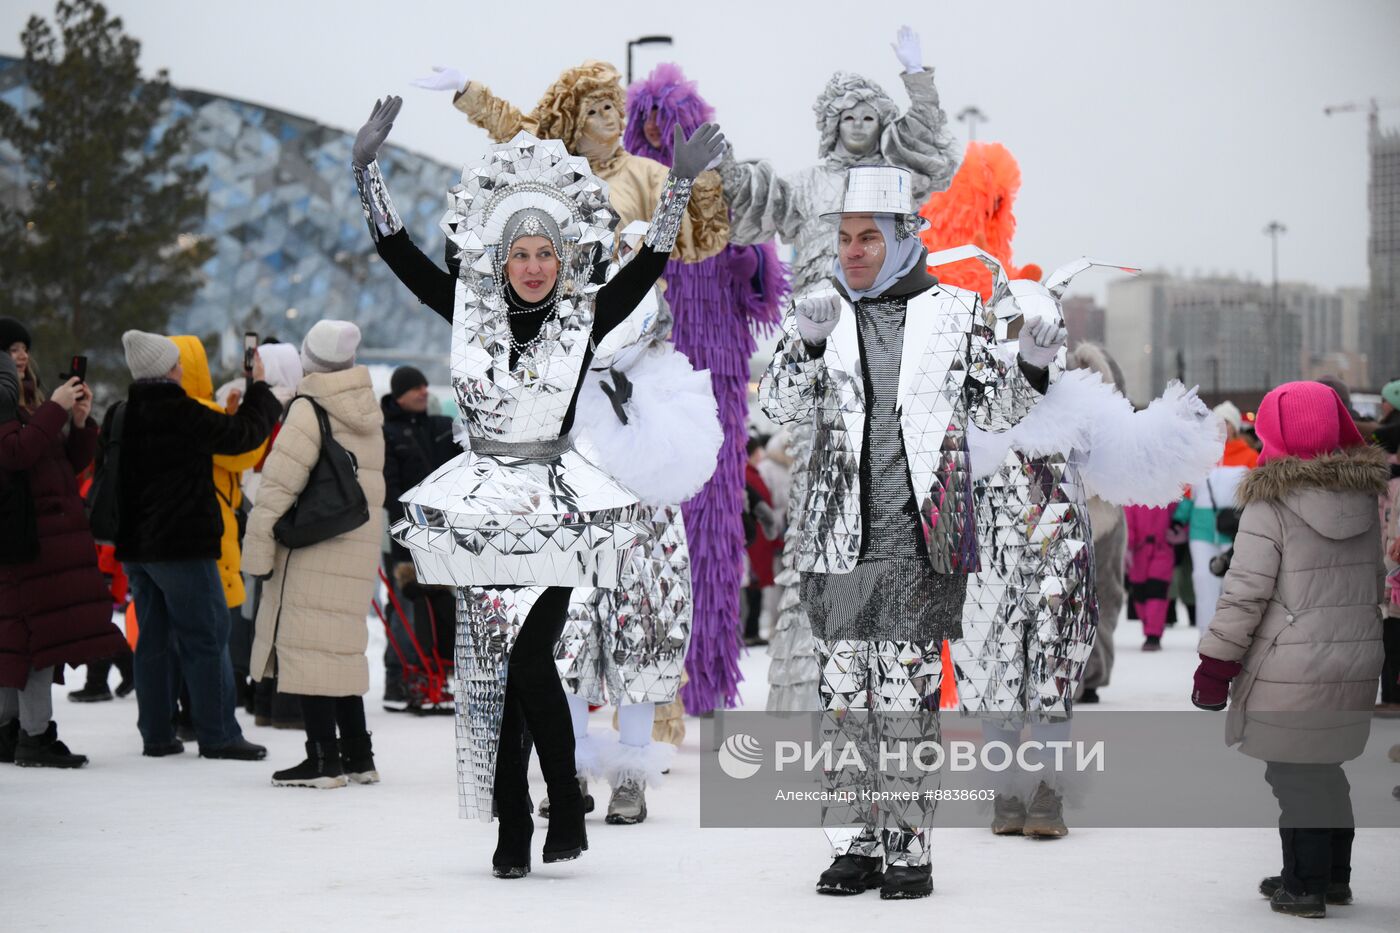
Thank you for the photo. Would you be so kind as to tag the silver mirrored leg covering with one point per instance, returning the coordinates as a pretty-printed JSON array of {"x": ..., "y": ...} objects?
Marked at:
[
  {"x": 860, "y": 681},
  {"x": 488, "y": 621}
]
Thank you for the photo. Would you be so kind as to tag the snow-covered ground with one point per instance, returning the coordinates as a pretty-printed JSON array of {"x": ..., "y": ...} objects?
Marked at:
[{"x": 140, "y": 844}]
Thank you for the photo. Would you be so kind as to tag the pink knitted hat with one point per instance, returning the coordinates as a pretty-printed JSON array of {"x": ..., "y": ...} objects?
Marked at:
[{"x": 1304, "y": 420}]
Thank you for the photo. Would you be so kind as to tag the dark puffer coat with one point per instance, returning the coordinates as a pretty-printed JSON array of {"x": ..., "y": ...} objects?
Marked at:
[
  {"x": 414, "y": 446},
  {"x": 168, "y": 510},
  {"x": 54, "y": 610}
]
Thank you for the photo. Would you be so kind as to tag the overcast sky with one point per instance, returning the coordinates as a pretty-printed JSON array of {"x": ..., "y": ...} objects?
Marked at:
[{"x": 1159, "y": 134}]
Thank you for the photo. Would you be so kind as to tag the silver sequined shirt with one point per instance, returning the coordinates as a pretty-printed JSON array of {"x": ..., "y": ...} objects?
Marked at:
[{"x": 893, "y": 592}]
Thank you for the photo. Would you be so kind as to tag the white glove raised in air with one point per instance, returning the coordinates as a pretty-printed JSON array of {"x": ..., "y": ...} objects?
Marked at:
[
  {"x": 1041, "y": 341},
  {"x": 442, "y": 79},
  {"x": 908, "y": 50},
  {"x": 817, "y": 316}
]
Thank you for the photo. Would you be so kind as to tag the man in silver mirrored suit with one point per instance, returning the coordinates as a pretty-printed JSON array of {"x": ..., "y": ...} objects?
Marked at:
[{"x": 887, "y": 367}]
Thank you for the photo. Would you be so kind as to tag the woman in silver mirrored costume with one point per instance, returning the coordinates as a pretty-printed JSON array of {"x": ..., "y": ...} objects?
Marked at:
[{"x": 521, "y": 517}]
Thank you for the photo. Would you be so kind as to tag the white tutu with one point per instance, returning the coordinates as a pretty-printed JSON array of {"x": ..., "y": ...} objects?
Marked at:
[{"x": 669, "y": 446}]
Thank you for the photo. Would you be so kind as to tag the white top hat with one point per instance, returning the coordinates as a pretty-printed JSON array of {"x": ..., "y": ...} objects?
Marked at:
[{"x": 876, "y": 189}]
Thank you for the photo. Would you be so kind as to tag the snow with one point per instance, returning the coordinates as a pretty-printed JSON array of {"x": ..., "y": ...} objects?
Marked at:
[{"x": 133, "y": 843}]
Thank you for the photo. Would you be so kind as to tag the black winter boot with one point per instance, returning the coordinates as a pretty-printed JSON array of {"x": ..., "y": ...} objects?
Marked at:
[
  {"x": 534, "y": 686},
  {"x": 263, "y": 692},
  {"x": 852, "y": 874},
  {"x": 9, "y": 738},
  {"x": 1338, "y": 892},
  {"x": 92, "y": 693},
  {"x": 95, "y": 690},
  {"x": 127, "y": 686},
  {"x": 173, "y": 747},
  {"x": 322, "y": 768},
  {"x": 45, "y": 751},
  {"x": 1298, "y": 905},
  {"x": 357, "y": 754},
  {"x": 240, "y": 749},
  {"x": 511, "y": 799},
  {"x": 905, "y": 882}
]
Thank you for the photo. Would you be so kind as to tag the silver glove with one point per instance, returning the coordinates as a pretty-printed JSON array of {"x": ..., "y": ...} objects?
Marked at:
[
  {"x": 376, "y": 129},
  {"x": 704, "y": 149}
]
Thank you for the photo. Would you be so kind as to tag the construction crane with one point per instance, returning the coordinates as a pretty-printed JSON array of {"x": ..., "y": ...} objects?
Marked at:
[{"x": 1372, "y": 107}]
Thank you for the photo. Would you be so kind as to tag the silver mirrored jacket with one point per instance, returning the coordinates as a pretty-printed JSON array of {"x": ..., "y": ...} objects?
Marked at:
[{"x": 949, "y": 373}]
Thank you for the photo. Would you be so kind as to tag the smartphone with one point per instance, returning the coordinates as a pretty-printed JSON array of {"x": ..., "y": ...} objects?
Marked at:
[
  {"x": 78, "y": 367},
  {"x": 250, "y": 346}
]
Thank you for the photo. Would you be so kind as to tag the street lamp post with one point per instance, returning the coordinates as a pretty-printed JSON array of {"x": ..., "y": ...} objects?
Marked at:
[
  {"x": 972, "y": 116},
  {"x": 1272, "y": 231},
  {"x": 644, "y": 40}
]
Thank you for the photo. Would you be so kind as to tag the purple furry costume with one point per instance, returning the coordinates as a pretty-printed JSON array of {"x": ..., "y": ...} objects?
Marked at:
[{"x": 716, "y": 304}]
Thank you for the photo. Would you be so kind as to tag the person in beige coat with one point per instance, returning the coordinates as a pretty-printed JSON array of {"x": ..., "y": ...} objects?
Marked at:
[
  {"x": 311, "y": 631},
  {"x": 1298, "y": 631}
]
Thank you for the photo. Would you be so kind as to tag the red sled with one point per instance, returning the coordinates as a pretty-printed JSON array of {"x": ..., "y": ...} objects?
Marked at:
[{"x": 427, "y": 680}]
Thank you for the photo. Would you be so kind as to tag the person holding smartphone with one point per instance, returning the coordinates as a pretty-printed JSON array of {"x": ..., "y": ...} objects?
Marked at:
[{"x": 54, "y": 606}]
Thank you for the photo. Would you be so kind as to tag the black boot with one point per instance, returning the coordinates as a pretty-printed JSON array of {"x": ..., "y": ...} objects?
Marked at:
[
  {"x": 852, "y": 874},
  {"x": 1298, "y": 905},
  {"x": 541, "y": 699},
  {"x": 1338, "y": 892},
  {"x": 322, "y": 768},
  {"x": 905, "y": 882},
  {"x": 9, "y": 738},
  {"x": 263, "y": 692},
  {"x": 511, "y": 799},
  {"x": 357, "y": 754},
  {"x": 95, "y": 690},
  {"x": 173, "y": 747},
  {"x": 127, "y": 686},
  {"x": 45, "y": 751},
  {"x": 240, "y": 749},
  {"x": 286, "y": 712}
]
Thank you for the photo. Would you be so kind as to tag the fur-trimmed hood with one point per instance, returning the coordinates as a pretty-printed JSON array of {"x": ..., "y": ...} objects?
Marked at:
[{"x": 1313, "y": 489}]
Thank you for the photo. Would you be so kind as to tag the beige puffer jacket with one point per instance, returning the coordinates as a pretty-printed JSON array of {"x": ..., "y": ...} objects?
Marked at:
[
  {"x": 1300, "y": 608},
  {"x": 311, "y": 629}
]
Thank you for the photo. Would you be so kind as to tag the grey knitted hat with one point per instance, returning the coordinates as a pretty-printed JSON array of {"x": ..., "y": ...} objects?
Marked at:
[
  {"x": 330, "y": 346},
  {"x": 149, "y": 356}
]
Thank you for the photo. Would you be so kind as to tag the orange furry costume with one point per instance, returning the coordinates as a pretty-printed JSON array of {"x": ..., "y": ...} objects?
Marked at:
[{"x": 976, "y": 209}]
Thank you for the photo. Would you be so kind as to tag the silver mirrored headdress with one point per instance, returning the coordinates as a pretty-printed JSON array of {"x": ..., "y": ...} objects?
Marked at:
[{"x": 514, "y": 182}]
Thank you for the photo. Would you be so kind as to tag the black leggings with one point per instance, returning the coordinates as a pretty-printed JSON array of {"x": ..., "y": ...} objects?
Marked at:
[
  {"x": 323, "y": 714},
  {"x": 1316, "y": 825},
  {"x": 535, "y": 699}
]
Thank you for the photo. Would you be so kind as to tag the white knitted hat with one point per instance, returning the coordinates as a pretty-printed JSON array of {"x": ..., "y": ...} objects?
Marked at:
[
  {"x": 330, "y": 346},
  {"x": 149, "y": 356},
  {"x": 1229, "y": 412}
]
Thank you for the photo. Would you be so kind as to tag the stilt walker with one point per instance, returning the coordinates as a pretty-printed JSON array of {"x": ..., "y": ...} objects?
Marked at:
[
  {"x": 717, "y": 305},
  {"x": 857, "y": 123}
]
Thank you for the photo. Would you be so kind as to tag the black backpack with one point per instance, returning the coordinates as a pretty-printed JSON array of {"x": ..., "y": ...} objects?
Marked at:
[
  {"x": 104, "y": 495},
  {"x": 332, "y": 502}
]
